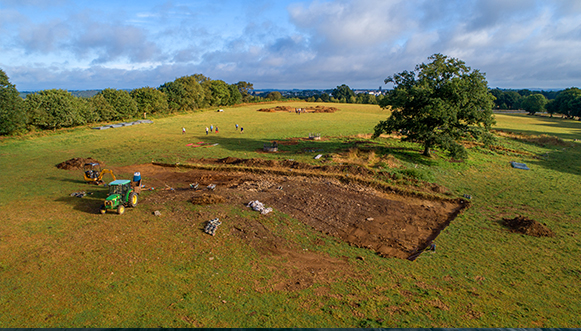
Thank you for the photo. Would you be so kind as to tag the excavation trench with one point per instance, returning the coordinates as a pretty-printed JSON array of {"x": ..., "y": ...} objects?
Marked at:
[{"x": 393, "y": 223}]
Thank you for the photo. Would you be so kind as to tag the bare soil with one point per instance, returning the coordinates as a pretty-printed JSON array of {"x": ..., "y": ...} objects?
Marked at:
[
  {"x": 317, "y": 109},
  {"x": 390, "y": 224},
  {"x": 77, "y": 163},
  {"x": 524, "y": 225}
]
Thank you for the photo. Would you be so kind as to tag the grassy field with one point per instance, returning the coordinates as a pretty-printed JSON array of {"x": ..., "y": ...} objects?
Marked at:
[{"x": 64, "y": 265}]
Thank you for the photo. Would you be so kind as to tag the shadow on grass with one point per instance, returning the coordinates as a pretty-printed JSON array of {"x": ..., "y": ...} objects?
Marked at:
[
  {"x": 573, "y": 126},
  {"x": 564, "y": 160},
  {"x": 300, "y": 146},
  {"x": 564, "y": 157},
  {"x": 89, "y": 203},
  {"x": 70, "y": 180}
]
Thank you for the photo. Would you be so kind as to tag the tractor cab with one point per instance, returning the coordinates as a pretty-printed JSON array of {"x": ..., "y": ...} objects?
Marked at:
[
  {"x": 120, "y": 186},
  {"x": 92, "y": 170}
]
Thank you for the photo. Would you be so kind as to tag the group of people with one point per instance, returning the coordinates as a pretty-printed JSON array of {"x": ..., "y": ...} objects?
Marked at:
[{"x": 212, "y": 129}]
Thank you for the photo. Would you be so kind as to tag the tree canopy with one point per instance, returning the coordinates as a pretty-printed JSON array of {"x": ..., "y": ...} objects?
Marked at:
[
  {"x": 567, "y": 102},
  {"x": 245, "y": 89},
  {"x": 274, "y": 95},
  {"x": 344, "y": 93},
  {"x": 534, "y": 103},
  {"x": 437, "y": 104},
  {"x": 54, "y": 109},
  {"x": 150, "y": 100},
  {"x": 123, "y": 105},
  {"x": 12, "y": 116}
]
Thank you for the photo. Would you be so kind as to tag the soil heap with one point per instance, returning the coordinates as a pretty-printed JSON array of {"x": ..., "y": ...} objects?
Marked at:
[
  {"x": 77, "y": 163},
  {"x": 524, "y": 225}
]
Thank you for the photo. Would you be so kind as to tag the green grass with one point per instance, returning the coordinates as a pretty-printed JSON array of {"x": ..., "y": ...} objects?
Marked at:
[{"x": 63, "y": 265}]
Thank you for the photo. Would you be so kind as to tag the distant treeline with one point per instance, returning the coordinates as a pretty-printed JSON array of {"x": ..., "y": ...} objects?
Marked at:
[
  {"x": 76, "y": 93},
  {"x": 341, "y": 94},
  {"x": 55, "y": 108},
  {"x": 565, "y": 102}
]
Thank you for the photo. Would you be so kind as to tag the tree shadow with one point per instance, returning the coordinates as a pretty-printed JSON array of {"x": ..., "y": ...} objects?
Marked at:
[
  {"x": 562, "y": 157},
  {"x": 573, "y": 126},
  {"x": 290, "y": 147},
  {"x": 565, "y": 160}
]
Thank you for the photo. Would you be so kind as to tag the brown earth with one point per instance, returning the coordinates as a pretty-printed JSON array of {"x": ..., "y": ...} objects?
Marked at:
[
  {"x": 524, "y": 225},
  {"x": 390, "y": 224},
  {"x": 77, "y": 163},
  {"x": 317, "y": 109}
]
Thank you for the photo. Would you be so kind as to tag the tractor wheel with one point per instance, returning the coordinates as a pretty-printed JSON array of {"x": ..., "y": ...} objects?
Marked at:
[
  {"x": 102, "y": 210},
  {"x": 133, "y": 199},
  {"x": 120, "y": 209}
]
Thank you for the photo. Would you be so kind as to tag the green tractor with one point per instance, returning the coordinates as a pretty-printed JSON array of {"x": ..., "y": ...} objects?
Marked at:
[{"x": 121, "y": 193}]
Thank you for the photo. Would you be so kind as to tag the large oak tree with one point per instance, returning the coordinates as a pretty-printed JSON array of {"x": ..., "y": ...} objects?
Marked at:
[{"x": 437, "y": 104}]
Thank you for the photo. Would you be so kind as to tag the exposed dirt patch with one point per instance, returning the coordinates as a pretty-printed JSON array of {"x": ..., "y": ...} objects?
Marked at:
[
  {"x": 301, "y": 268},
  {"x": 77, "y": 163},
  {"x": 207, "y": 199},
  {"x": 317, "y": 109},
  {"x": 389, "y": 224},
  {"x": 524, "y": 225}
]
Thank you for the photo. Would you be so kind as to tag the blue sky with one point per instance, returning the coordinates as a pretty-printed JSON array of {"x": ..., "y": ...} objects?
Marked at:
[{"x": 284, "y": 44}]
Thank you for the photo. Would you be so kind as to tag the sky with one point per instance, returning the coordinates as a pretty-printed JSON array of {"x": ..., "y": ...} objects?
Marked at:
[{"x": 285, "y": 44}]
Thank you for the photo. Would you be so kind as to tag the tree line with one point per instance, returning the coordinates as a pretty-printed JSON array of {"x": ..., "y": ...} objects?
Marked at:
[
  {"x": 56, "y": 108},
  {"x": 565, "y": 102},
  {"x": 343, "y": 94}
]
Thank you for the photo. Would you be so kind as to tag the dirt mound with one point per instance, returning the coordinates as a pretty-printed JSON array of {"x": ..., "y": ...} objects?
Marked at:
[
  {"x": 77, "y": 163},
  {"x": 317, "y": 109},
  {"x": 230, "y": 160},
  {"x": 527, "y": 226},
  {"x": 207, "y": 199},
  {"x": 323, "y": 109},
  {"x": 277, "y": 108}
]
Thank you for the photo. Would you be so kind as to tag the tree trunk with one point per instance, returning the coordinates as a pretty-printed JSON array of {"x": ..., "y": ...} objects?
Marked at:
[{"x": 427, "y": 151}]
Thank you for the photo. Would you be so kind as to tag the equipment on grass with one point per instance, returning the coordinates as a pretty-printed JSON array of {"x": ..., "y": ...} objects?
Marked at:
[
  {"x": 94, "y": 175},
  {"x": 122, "y": 193},
  {"x": 212, "y": 225}
]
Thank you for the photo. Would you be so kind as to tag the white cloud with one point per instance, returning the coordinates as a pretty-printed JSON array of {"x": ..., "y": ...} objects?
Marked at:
[{"x": 309, "y": 44}]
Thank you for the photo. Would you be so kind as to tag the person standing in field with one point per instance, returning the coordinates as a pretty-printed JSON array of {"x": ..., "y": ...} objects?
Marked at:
[
  {"x": 241, "y": 129},
  {"x": 211, "y": 128},
  {"x": 206, "y": 131},
  {"x": 216, "y": 129},
  {"x": 236, "y": 127},
  {"x": 183, "y": 130}
]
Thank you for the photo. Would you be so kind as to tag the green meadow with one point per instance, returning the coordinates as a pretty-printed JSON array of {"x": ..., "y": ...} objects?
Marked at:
[{"x": 62, "y": 264}]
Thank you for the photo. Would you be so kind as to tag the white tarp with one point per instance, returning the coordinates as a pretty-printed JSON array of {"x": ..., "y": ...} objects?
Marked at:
[{"x": 259, "y": 206}]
